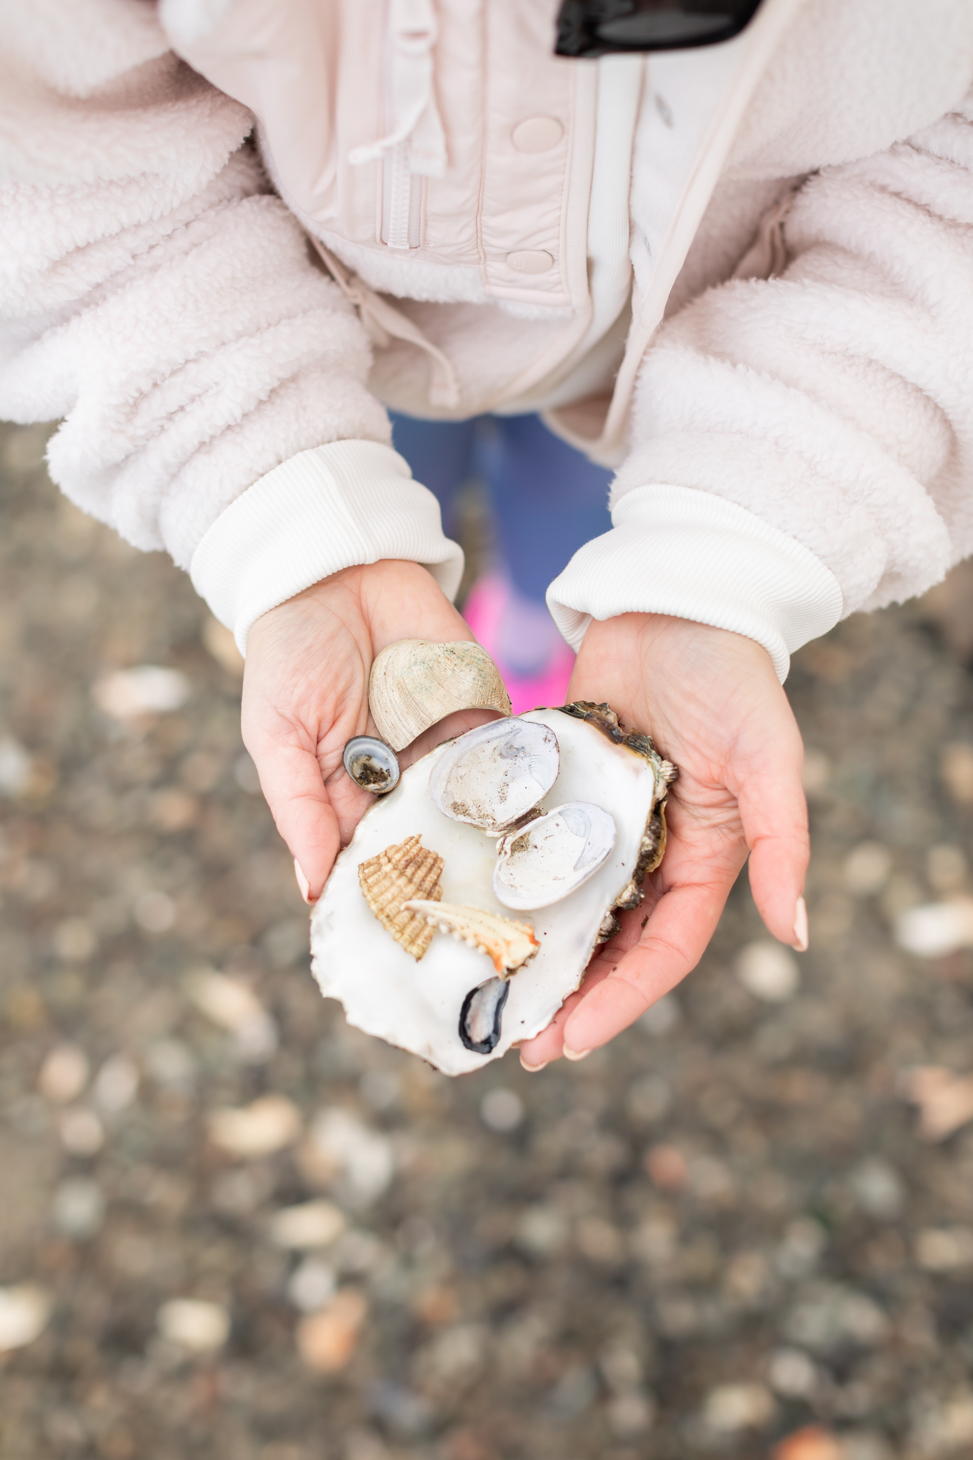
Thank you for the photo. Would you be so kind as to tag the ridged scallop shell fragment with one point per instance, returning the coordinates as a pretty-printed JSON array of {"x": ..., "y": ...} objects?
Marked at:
[
  {"x": 493, "y": 776},
  {"x": 508, "y": 943},
  {"x": 552, "y": 856},
  {"x": 388, "y": 881},
  {"x": 414, "y": 684}
]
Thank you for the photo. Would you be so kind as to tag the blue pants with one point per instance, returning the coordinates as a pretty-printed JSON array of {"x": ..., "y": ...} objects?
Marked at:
[{"x": 547, "y": 499}]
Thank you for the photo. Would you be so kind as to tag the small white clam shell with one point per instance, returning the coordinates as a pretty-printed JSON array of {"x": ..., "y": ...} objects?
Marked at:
[
  {"x": 552, "y": 856},
  {"x": 414, "y": 684},
  {"x": 492, "y": 776}
]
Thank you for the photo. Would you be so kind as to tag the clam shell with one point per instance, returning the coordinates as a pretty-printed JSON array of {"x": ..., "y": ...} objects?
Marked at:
[
  {"x": 389, "y": 880},
  {"x": 494, "y": 776},
  {"x": 371, "y": 764},
  {"x": 552, "y": 856},
  {"x": 510, "y": 944},
  {"x": 414, "y": 684}
]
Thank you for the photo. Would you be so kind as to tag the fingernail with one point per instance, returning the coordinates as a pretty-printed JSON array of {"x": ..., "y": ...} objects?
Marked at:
[
  {"x": 800, "y": 926},
  {"x": 532, "y": 1069},
  {"x": 573, "y": 1054},
  {"x": 303, "y": 884}
]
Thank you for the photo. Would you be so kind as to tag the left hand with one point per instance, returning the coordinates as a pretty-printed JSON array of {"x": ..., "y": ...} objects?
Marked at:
[{"x": 712, "y": 703}]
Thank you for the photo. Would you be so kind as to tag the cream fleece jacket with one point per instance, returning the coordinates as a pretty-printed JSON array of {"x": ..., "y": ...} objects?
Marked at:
[{"x": 798, "y": 446}]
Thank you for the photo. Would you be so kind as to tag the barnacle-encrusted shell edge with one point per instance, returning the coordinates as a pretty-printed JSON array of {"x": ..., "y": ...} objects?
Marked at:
[{"x": 653, "y": 846}]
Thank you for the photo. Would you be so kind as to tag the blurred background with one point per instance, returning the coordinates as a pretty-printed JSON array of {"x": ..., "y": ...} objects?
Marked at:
[{"x": 230, "y": 1226}]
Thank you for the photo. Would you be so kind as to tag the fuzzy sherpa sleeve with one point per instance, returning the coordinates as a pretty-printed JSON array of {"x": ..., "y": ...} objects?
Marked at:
[
  {"x": 829, "y": 409},
  {"x": 153, "y": 292}
]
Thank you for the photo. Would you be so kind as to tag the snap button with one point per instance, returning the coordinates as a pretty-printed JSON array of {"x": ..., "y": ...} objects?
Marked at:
[
  {"x": 537, "y": 134},
  {"x": 530, "y": 261}
]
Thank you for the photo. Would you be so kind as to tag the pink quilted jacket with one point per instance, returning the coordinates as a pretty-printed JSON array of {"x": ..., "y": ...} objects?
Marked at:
[{"x": 742, "y": 274}]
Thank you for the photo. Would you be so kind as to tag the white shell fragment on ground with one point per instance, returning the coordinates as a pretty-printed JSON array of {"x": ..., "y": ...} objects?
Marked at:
[
  {"x": 507, "y": 943},
  {"x": 414, "y": 684},
  {"x": 552, "y": 856},
  {"x": 418, "y": 1006},
  {"x": 493, "y": 776}
]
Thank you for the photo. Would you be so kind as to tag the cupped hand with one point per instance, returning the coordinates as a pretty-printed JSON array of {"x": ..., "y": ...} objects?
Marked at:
[
  {"x": 305, "y": 693},
  {"x": 712, "y": 703}
]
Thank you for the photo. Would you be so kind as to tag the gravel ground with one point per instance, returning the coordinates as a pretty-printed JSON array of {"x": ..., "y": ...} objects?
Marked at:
[{"x": 233, "y": 1227}]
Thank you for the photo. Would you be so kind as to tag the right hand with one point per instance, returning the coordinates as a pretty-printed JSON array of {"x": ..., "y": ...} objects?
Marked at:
[{"x": 305, "y": 694}]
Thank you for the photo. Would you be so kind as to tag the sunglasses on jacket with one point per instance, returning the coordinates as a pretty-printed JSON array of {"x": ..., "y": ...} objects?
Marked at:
[{"x": 592, "y": 28}]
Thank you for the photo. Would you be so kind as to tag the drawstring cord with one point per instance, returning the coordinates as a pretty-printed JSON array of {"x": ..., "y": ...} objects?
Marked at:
[
  {"x": 413, "y": 33},
  {"x": 383, "y": 323}
]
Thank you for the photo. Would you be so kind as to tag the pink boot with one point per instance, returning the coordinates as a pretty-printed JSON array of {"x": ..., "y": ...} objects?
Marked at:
[{"x": 520, "y": 636}]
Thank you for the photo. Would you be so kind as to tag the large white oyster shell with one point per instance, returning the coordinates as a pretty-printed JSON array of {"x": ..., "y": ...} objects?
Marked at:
[{"x": 417, "y": 1006}]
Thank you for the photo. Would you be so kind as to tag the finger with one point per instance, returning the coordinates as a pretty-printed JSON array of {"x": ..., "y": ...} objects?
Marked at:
[
  {"x": 549, "y": 1044},
  {"x": 290, "y": 778},
  {"x": 774, "y": 816},
  {"x": 672, "y": 943}
]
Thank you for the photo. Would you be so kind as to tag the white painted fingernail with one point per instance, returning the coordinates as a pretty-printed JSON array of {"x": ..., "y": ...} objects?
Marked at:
[
  {"x": 800, "y": 926},
  {"x": 303, "y": 884},
  {"x": 574, "y": 1054}
]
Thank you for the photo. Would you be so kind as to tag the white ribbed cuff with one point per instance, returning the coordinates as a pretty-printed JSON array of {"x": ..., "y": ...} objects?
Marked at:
[
  {"x": 690, "y": 554},
  {"x": 328, "y": 508}
]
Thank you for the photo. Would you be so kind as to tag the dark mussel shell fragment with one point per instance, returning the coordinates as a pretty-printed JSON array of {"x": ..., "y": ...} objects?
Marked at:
[{"x": 480, "y": 1016}]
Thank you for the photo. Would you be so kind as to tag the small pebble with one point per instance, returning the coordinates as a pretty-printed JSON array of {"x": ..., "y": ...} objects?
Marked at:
[
  {"x": 269, "y": 1124},
  {"x": 944, "y": 1249},
  {"x": 327, "y": 1340},
  {"x": 768, "y": 971},
  {"x": 127, "y": 694},
  {"x": 945, "y": 1100},
  {"x": 501, "y": 1110},
  {"x": 946, "y": 868},
  {"x": 116, "y": 1084},
  {"x": 311, "y": 1224},
  {"x": 342, "y": 1145},
  {"x": 233, "y": 1005},
  {"x": 16, "y": 767},
  {"x": 733, "y": 1407},
  {"x": 193, "y": 1324},
  {"x": 792, "y": 1374},
  {"x": 956, "y": 769},
  {"x": 154, "y": 912},
  {"x": 867, "y": 869},
  {"x": 667, "y": 1167},
  {"x": 878, "y": 1188},
  {"x": 312, "y": 1285},
  {"x": 81, "y": 1132},
  {"x": 78, "y": 1209},
  {"x": 64, "y": 1073},
  {"x": 935, "y": 929},
  {"x": 810, "y": 1443},
  {"x": 630, "y": 1415},
  {"x": 24, "y": 1311},
  {"x": 74, "y": 940}
]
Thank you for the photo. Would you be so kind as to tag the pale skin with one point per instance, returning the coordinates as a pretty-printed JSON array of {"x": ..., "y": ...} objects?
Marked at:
[{"x": 709, "y": 698}]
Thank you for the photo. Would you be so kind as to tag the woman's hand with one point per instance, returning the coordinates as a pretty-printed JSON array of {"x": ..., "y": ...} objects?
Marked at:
[
  {"x": 712, "y": 703},
  {"x": 305, "y": 693}
]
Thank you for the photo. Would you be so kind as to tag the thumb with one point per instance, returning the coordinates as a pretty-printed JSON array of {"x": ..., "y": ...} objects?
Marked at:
[
  {"x": 774, "y": 816},
  {"x": 290, "y": 778}
]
